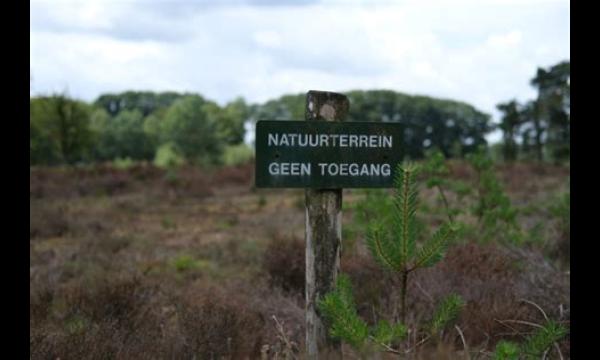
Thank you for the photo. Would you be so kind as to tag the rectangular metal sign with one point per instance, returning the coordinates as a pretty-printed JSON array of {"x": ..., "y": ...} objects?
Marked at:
[{"x": 326, "y": 155}]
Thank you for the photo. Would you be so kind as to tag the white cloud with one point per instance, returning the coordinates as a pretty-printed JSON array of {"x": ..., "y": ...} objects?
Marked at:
[
  {"x": 464, "y": 49},
  {"x": 505, "y": 41},
  {"x": 270, "y": 39}
]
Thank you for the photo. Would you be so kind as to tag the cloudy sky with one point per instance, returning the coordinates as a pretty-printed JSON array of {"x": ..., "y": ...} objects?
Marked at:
[{"x": 477, "y": 51}]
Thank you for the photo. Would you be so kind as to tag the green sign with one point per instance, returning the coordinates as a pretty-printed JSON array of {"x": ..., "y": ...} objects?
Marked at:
[{"x": 326, "y": 155}]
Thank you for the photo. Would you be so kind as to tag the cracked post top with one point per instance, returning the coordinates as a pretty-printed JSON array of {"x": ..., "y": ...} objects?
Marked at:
[{"x": 326, "y": 106}]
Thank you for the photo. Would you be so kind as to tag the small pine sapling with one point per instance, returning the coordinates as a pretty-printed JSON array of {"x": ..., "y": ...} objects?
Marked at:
[
  {"x": 534, "y": 346},
  {"x": 375, "y": 204},
  {"x": 495, "y": 214},
  {"x": 437, "y": 171},
  {"x": 542, "y": 339},
  {"x": 395, "y": 251},
  {"x": 340, "y": 310},
  {"x": 506, "y": 350},
  {"x": 447, "y": 311}
]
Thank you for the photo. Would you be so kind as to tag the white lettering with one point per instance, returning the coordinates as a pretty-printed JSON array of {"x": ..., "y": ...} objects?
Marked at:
[
  {"x": 385, "y": 170},
  {"x": 363, "y": 141},
  {"x": 334, "y": 137},
  {"x": 344, "y": 169},
  {"x": 327, "y": 140},
  {"x": 343, "y": 140},
  {"x": 292, "y": 137},
  {"x": 374, "y": 169},
  {"x": 316, "y": 138},
  {"x": 295, "y": 169},
  {"x": 322, "y": 166},
  {"x": 273, "y": 169},
  {"x": 324, "y": 139},
  {"x": 333, "y": 172},
  {"x": 364, "y": 171},
  {"x": 303, "y": 143},
  {"x": 387, "y": 141},
  {"x": 289, "y": 169},
  {"x": 373, "y": 141},
  {"x": 283, "y": 140},
  {"x": 305, "y": 169},
  {"x": 272, "y": 139}
]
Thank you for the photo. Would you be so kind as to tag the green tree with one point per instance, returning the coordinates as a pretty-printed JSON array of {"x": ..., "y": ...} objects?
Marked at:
[
  {"x": 122, "y": 136},
  {"x": 553, "y": 107},
  {"x": 396, "y": 251},
  {"x": 511, "y": 119},
  {"x": 287, "y": 107},
  {"x": 42, "y": 150},
  {"x": 145, "y": 102},
  {"x": 549, "y": 114},
  {"x": 59, "y": 126},
  {"x": 153, "y": 128},
  {"x": 229, "y": 119},
  {"x": 194, "y": 130},
  {"x": 130, "y": 139},
  {"x": 100, "y": 122},
  {"x": 231, "y": 126},
  {"x": 426, "y": 122},
  {"x": 533, "y": 130}
]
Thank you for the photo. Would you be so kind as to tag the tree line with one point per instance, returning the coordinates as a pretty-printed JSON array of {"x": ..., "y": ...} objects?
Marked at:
[
  {"x": 133, "y": 125},
  {"x": 540, "y": 129},
  {"x": 145, "y": 126}
]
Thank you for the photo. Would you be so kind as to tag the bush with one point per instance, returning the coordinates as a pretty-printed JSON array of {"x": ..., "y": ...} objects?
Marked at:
[
  {"x": 123, "y": 163},
  {"x": 237, "y": 155},
  {"x": 45, "y": 222},
  {"x": 561, "y": 210},
  {"x": 285, "y": 263},
  {"x": 167, "y": 155},
  {"x": 240, "y": 175},
  {"x": 216, "y": 326}
]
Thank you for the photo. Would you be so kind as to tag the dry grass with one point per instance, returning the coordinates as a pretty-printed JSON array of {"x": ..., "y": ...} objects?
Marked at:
[{"x": 104, "y": 279}]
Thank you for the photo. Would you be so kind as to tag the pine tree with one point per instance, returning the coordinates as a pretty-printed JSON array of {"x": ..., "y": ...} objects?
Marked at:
[{"x": 397, "y": 252}]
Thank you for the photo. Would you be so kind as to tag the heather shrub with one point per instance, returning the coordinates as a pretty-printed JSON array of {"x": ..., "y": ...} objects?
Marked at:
[{"x": 285, "y": 264}]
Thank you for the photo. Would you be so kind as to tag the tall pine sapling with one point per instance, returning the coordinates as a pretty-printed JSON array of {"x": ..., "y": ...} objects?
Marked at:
[
  {"x": 495, "y": 214},
  {"x": 437, "y": 171},
  {"x": 395, "y": 251}
]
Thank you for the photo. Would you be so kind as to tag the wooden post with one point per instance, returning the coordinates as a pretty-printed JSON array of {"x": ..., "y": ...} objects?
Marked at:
[{"x": 323, "y": 233}]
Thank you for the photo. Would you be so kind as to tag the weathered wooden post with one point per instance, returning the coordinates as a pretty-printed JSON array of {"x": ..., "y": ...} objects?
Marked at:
[
  {"x": 324, "y": 155},
  {"x": 323, "y": 232}
]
